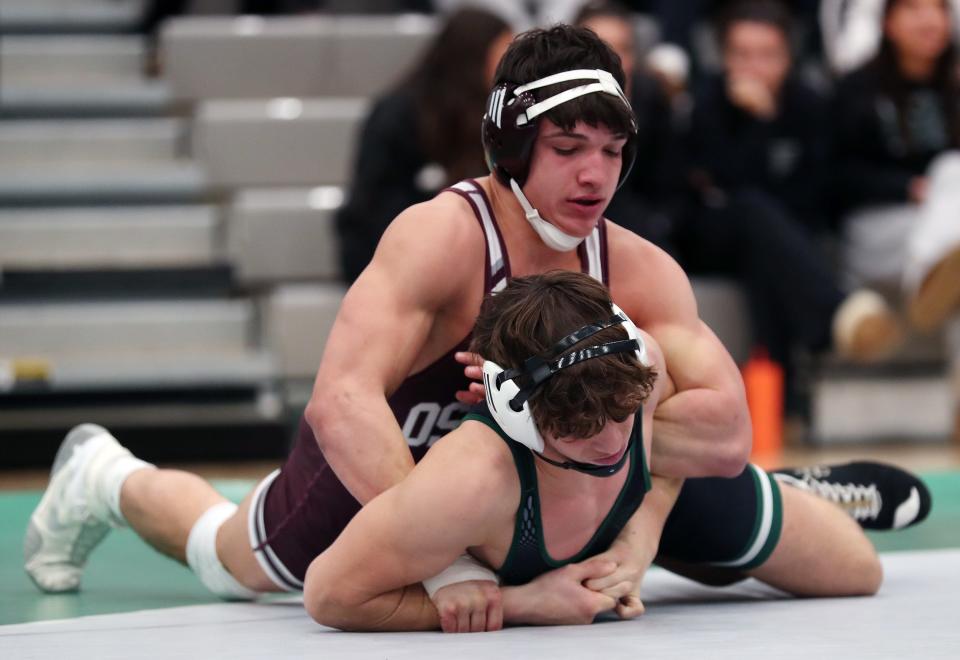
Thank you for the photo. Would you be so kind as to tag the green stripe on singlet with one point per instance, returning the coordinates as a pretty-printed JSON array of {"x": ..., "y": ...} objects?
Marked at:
[{"x": 767, "y": 524}]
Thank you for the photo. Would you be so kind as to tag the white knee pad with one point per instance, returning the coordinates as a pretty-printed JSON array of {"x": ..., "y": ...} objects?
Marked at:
[{"x": 202, "y": 555}]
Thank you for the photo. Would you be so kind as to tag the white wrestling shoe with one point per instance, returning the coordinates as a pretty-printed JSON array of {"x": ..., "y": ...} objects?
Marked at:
[{"x": 73, "y": 515}]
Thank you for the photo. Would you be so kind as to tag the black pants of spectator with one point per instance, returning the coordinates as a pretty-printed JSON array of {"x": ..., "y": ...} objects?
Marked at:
[{"x": 792, "y": 291}]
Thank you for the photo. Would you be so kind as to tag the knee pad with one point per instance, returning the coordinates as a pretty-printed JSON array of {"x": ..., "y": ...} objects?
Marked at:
[{"x": 202, "y": 555}]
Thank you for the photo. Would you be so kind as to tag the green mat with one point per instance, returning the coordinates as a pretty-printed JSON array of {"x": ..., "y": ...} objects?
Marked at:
[{"x": 125, "y": 575}]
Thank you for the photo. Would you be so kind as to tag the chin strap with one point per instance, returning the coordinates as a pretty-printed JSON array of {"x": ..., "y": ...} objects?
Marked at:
[
  {"x": 553, "y": 237},
  {"x": 593, "y": 469}
]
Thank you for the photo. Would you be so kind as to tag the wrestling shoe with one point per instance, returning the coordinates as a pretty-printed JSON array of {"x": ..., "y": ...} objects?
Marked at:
[
  {"x": 877, "y": 496},
  {"x": 72, "y": 517}
]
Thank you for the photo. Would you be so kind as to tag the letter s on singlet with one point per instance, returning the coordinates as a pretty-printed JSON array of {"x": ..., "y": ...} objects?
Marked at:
[{"x": 427, "y": 422}]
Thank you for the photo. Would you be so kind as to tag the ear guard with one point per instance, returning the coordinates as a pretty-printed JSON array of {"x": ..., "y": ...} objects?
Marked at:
[{"x": 509, "y": 401}]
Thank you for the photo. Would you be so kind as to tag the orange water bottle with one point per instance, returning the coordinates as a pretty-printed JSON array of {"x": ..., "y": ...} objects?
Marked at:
[{"x": 763, "y": 379}]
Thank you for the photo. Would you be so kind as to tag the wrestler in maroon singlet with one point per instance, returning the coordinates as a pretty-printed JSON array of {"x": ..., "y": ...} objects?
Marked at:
[{"x": 305, "y": 507}]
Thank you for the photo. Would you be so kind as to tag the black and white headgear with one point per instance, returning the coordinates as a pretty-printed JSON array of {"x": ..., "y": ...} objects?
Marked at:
[
  {"x": 508, "y": 391},
  {"x": 509, "y": 130}
]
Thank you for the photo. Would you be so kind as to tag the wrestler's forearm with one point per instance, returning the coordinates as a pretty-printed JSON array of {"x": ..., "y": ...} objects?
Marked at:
[
  {"x": 700, "y": 433},
  {"x": 646, "y": 525},
  {"x": 361, "y": 441},
  {"x": 410, "y": 609},
  {"x": 406, "y": 609},
  {"x": 520, "y": 605}
]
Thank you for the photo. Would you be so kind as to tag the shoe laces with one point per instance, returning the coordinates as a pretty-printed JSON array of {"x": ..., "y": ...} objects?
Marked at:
[{"x": 861, "y": 501}]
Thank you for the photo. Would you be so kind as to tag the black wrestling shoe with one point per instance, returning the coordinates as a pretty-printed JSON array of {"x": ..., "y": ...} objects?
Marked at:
[{"x": 876, "y": 495}]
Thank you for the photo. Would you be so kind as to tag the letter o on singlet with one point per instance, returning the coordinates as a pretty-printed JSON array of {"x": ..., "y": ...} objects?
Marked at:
[
  {"x": 427, "y": 422},
  {"x": 420, "y": 422}
]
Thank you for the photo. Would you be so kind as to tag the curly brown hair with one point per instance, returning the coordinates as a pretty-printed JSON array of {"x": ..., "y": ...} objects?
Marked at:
[{"x": 528, "y": 317}]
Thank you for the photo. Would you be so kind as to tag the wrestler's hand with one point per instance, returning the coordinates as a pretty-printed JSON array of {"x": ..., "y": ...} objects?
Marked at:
[
  {"x": 473, "y": 369},
  {"x": 624, "y": 581},
  {"x": 636, "y": 546},
  {"x": 471, "y": 606},
  {"x": 559, "y": 597}
]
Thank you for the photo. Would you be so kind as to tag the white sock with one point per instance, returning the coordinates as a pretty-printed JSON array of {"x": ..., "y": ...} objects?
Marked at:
[{"x": 114, "y": 475}]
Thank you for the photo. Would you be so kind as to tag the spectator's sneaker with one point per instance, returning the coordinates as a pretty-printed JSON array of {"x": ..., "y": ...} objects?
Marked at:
[
  {"x": 72, "y": 518},
  {"x": 877, "y": 496},
  {"x": 865, "y": 328},
  {"x": 939, "y": 295}
]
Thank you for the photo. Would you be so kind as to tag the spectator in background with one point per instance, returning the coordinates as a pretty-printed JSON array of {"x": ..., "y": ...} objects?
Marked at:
[
  {"x": 851, "y": 31},
  {"x": 757, "y": 156},
  {"x": 423, "y": 134},
  {"x": 675, "y": 59},
  {"x": 898, "y": 131},
  {"x": 644, "y": 202}
]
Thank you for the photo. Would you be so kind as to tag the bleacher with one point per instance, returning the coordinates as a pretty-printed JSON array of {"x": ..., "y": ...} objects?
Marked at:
[{"x": 166, "y": 247}]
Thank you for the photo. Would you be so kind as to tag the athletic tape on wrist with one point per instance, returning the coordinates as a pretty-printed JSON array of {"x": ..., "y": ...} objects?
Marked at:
[{"x": 464, "y": 569}]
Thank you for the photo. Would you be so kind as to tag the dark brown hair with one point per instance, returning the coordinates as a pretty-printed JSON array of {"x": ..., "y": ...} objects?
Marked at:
[
  {"x": 450, "y": 90},
  {"x": 528, "y": 317},
  {"x": 602, "y": 9},
  {"x": 768, "y": 12},
  {"x": 542, "y": 52},
  {"x": 945, "y": 80}
]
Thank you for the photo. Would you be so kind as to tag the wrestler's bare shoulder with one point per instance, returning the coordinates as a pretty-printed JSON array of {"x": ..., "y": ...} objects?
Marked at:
[
  {"x": 436, "y": 246},
  {"x": 630, "y": 250},
  {"x": 447, "y": 218},
  {"x": 634, "y": 264},
  {"x": 478, "y": 460}
]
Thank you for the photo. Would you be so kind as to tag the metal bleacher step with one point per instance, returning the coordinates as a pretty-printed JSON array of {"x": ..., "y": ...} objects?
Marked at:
[
  {"x": 277, "y": 142},
  {"x": 52, "y": 76},
  {"x": 78, "y": 76},
  {"x": 210, "y": 57},
  {"x": 140, "y": 390},
  {"x": 120, "y": 99},
  {"x": 132, "y": 344},
  {"x": 297, "y": 321},
  {"x": 908, "y": 397},
  {"x": 65, "y": 144},
  {"x": 146, "y": 370},
  {"x": 176, "y": 183},
  {"x": 68, "y": 16},
  {"x": 159, "y": 326},
  {"x": 917, "y": 406},
  {"x": 108, "y": 237},
  {"x": 282, "y": 234},
  {"x": 75, "y": 61}
]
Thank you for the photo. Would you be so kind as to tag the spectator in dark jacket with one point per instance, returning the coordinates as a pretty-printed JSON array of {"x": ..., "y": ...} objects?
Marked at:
[
  {"x": 898, "y": 131},
  {"x": 645, "y": 203},
  {"x": 424, "y": 134},
  {"x": 757, "y": 157}
]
